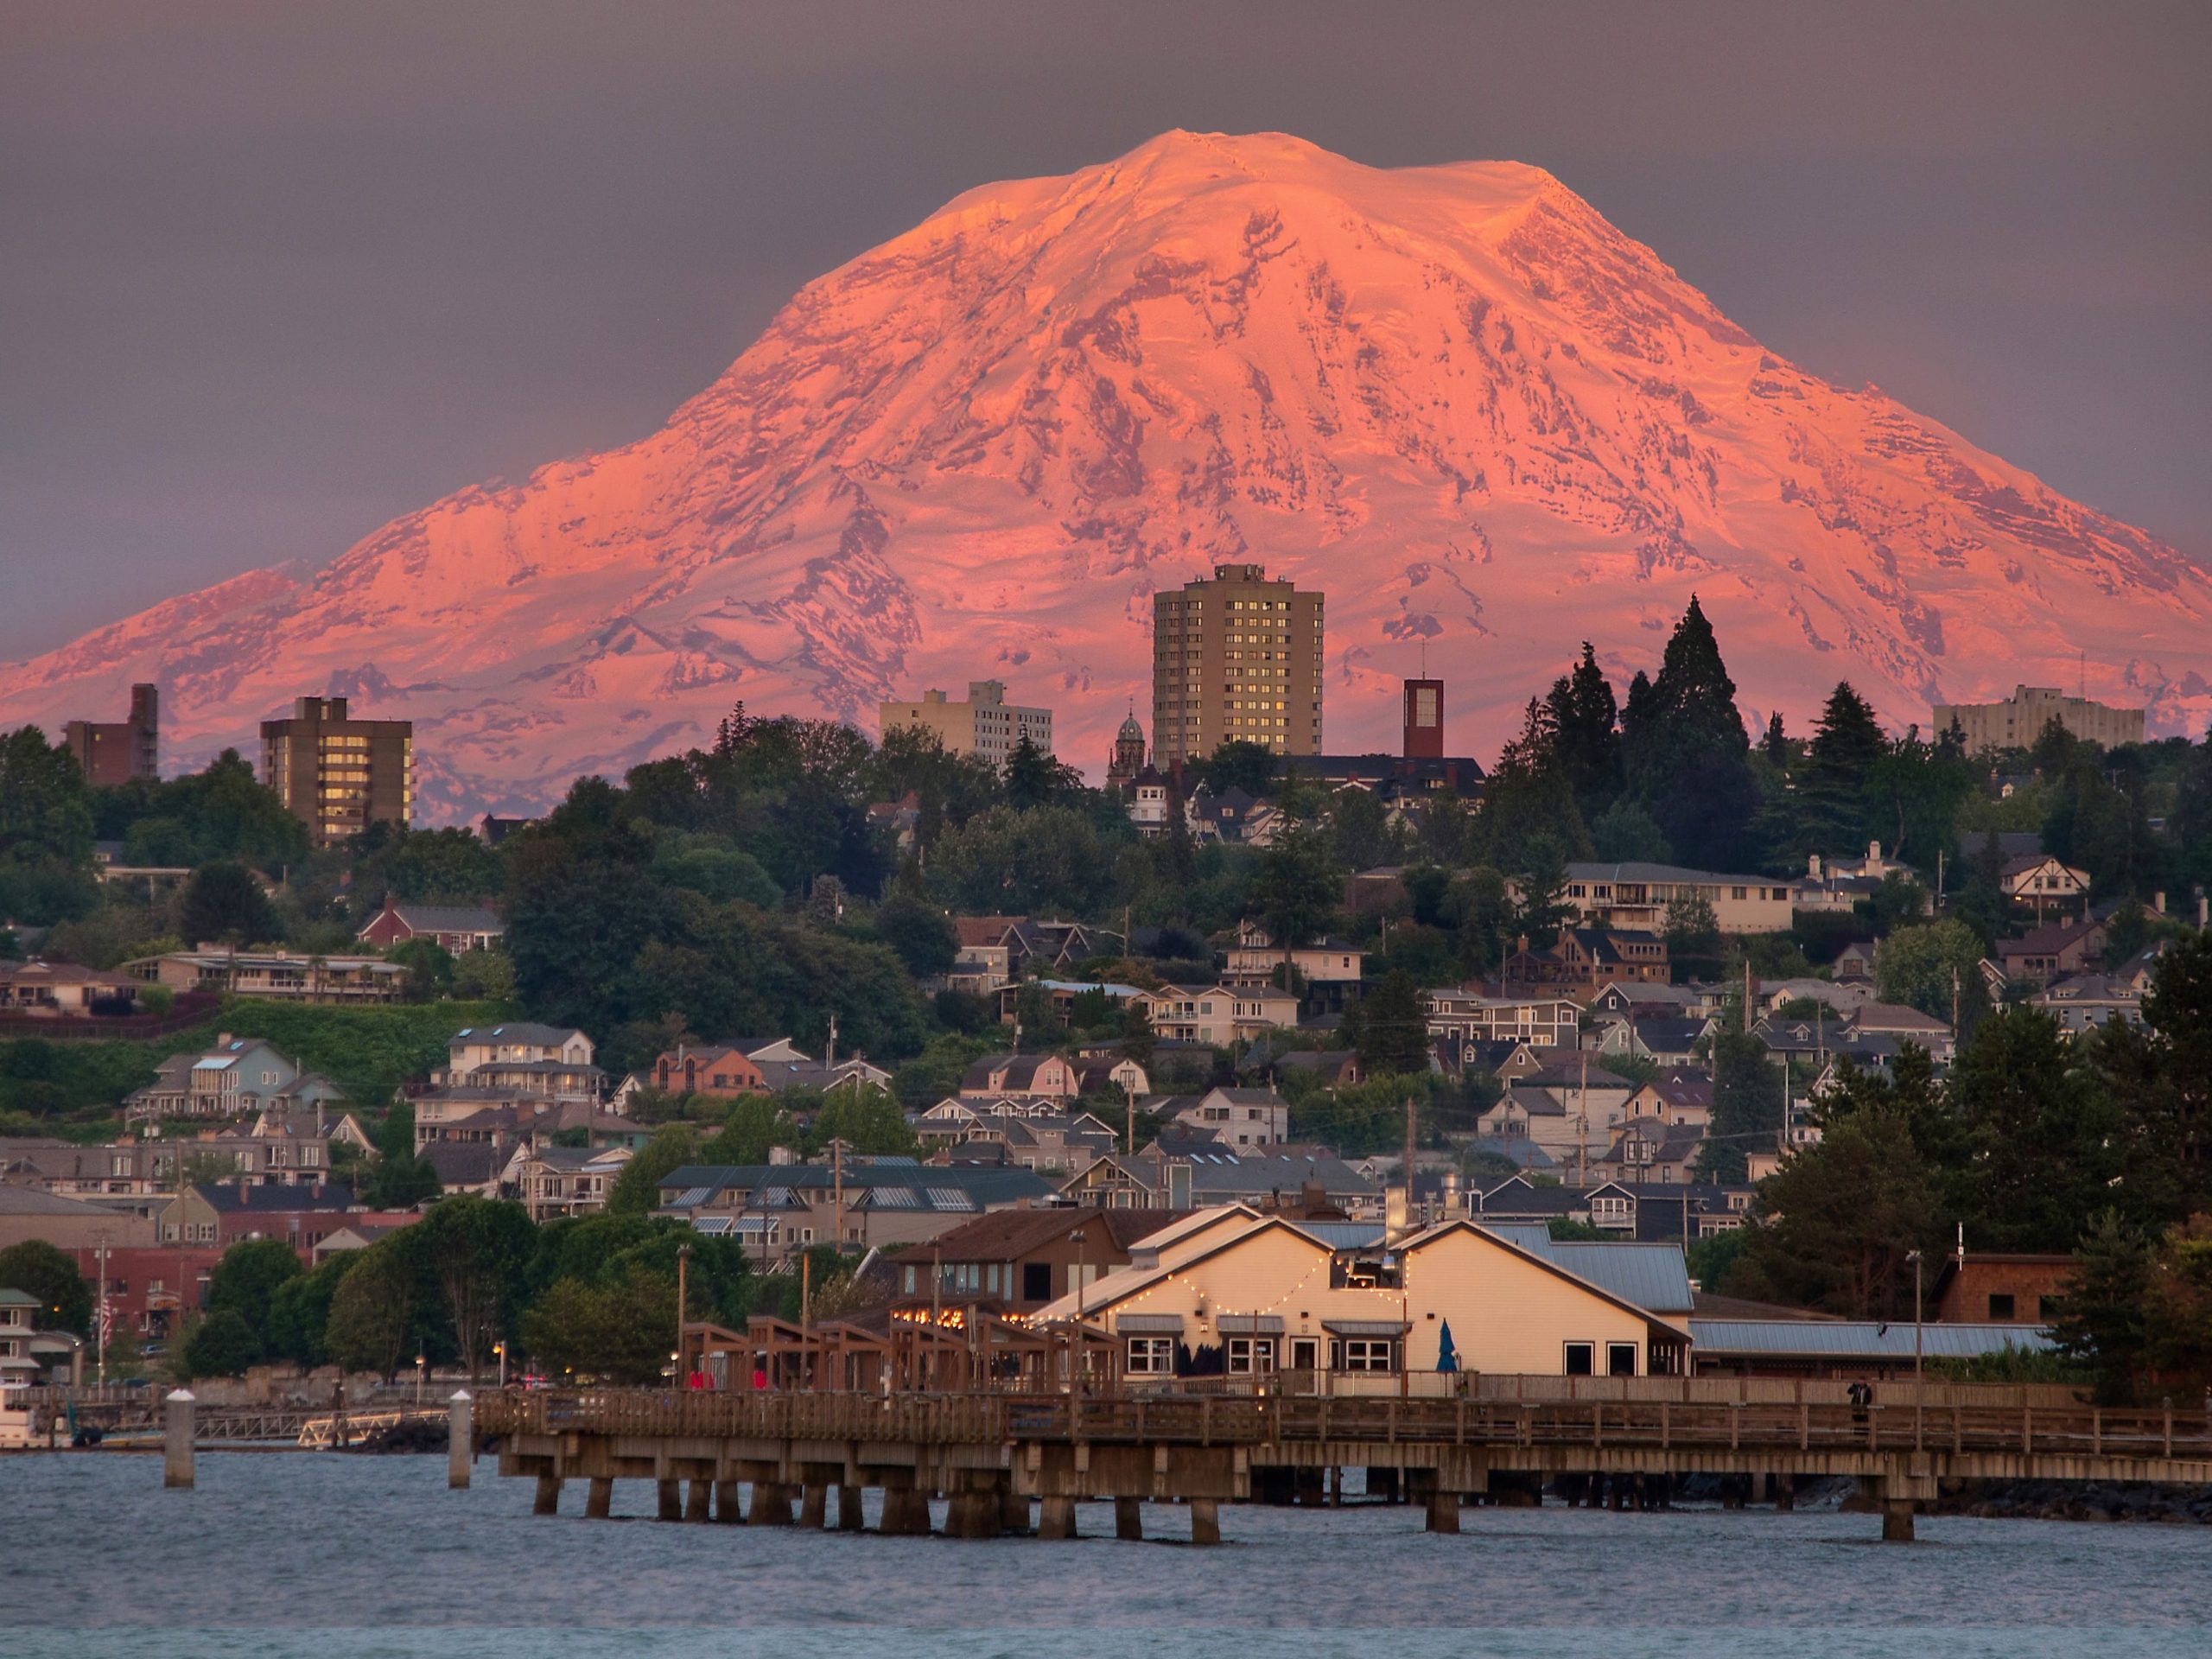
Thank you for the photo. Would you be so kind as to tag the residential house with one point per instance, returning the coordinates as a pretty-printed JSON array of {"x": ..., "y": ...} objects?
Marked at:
[
  {"x": 1054, "y": 1144},
  {"x": 1650, "y": 1150},
  {"x": 1626, "y": 1208},
  {"x": 454, "y": 928},
  {"x": 1232, "y": 818},
  {"x": 2044, "y": 884},
  {"x": 29, "y": 1212},
  {"x": 552, "y": 1062},
  {"x": 220, "y": 1215},
  {"x": 1243, "y": 1120},
  {"x": 1854, "y": 963},
  {"x": 1103, "y": 1071},
  {"x": 64, "y": 990},
  {"x": 983, "y": 955},
  {"x": 280, "y": 976},
  {"x": 1776, "y": 995},
  {"x": 1907, "y": 1024},
  {"x": 1641, "y": 1000},
  {"x": 1474, "y": 1014},
  {"x": 1254, "y": 959},
  {"x": 1585, "y": 960},
  {"x": 477, "y": 1167},
  {"x": 1042, "y": 1076},
  {"x": 1679, "y": 1096},
  {"x": 723, "y": 1071},
  {"x": 238, "y": 1077},
  {"x": 1063, "y": 995},
  {"x": 1337, "y": 1068},
  {"x": 1016, "y": 1260},
  {"x": 146, "y": 1286},
  {"x": 2083, "y": 1002},
  {"x": 1663, "y": 1042},
  {"x": 1265, "y": 1294},
  {"x": 1218, "y": 1016},
  {"x": 1633, "y": 897},
  {"x": 778, "y": 1210},
  {"x": 558, "y": 1181},
  {"x": 2051, "y": 951},
  {"x": 1162, "y": 1177}
]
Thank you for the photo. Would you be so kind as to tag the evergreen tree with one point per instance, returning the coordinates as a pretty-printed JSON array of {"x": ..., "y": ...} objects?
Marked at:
[
  {"x": 1686, "y": 754},
  {"x": 1389, "y": 1028},
  {"x": 2104, "y": 1319},
  {"x": 1776, "y": 744},
  {"x": 1834, "y": 785},
  {"x": 1747, "y": 1090},
  {"x": 1581, "y": 714}
]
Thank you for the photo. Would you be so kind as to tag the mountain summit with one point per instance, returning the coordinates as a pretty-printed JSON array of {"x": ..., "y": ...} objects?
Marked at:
[{"x": 1454, "y": 398}]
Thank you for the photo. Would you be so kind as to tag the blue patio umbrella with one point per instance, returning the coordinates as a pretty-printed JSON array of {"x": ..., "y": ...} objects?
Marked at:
[{"x": 1448, "y": 1356}]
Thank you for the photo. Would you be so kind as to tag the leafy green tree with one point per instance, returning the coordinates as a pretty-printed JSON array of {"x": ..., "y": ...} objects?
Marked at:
[
  {"x": 401, "y": 1178},
  {"x": 1048, "y": 861},
  {"x": 918, "y": 932},
  {"x": 221, "y": 814},
  {"x": 221, "y": 1344},
  {"x": 2178, "y": 1009},
  {"x": 1693, "y": 932},
  {"x": 1528, "y": 799},
  {"x": 299, "y": 1312},
  {"x": 478, "y": 1248},
  {"x": 623, "y": 1332},
  {"x": 40, "y": 1270},
  {"x": 1541, "y": 875},
  {"x": 429, "y": 968},
  {"x": 1389, "y": 1028},
  {"x": 372, "y": 1311},
  {"x": 636, "y": 1191},
  {"x": 1836, "y": 1224},
  {"x": 486, "y": 975},
  {"x": 223, "y": 903},
  {"x": 2044, "y": 1145},
  {"x": 246, "y": 1281},
  {"x": 1034, "y": 777},
  {"x": 756, "y": 1125},
  {"x": 1920, "y": 967},
  {"x": 1625, "y": 834},
  {"x": 1240, "y": 764},
  {"x": 580, "y": 907},
  {"x": 867, "y": 1120}
]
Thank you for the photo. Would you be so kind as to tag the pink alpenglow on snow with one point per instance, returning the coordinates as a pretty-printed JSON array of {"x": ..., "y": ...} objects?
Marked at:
[{"x": 1454, "y": 398}]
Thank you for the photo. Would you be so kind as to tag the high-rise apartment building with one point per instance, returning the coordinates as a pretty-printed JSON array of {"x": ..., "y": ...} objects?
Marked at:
[
  {"x": 985, "y": 725},
  {"x": 2017, "y": 721},
  {"x": 116, "y": 751},
  {"x": 339, "y": 775},
  {"x": 1237, "y": 656}
]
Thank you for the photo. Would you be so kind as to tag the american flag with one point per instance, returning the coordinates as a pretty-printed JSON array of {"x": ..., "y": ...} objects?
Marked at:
[{"x": 107, "y": 1318}]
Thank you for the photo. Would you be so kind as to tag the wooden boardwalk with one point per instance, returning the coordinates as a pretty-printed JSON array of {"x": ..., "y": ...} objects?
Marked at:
[{"x": 991, "y": 1454}]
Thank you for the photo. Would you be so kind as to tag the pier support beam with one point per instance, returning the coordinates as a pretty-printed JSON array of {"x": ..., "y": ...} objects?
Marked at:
[
  {"x": 1785, "y": 1493},
  {"x": 728, "y": 1511},
  {"x": 177, "y": 1441},
  {"x": 1444, "y": 1512},
  {"x": 849, "y": 1515},
  {"x": 1128, "y": 1520},
  {"x": 549, "y": 1496},
  {"x": 972, "y": 1515},
  {"x": 1056, "y": 1517},
  {"x": 598, "y": 1498},
  {"x": 813, "y": 1504},
  {"x": 1013, "y": 1510},
  {"x": 461, "y": 1436},
  {"x": 671, "y": 1499},
  {"x": 1897, "y": 1520},
  {"x": 772, "y": 1504},
  {"x": 1205, "y": 1521},
  {"x": 699, "y": 1501}
]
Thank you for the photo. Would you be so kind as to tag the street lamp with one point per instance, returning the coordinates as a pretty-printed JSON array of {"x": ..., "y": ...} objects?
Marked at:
[
  {"x": 500, "y": 1349},
  {"x": 1076, "y": 1354},
  {"x": 1918, "y": 1364},
  {"x": 422, "y": 1375}
]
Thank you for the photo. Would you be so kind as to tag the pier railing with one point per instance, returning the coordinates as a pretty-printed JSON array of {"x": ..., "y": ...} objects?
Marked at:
[{"x": 1688, "y": 1415}]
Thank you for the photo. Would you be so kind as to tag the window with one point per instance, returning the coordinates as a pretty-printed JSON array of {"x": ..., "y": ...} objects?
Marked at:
[
  {"x": 1620, "y": 1359},
  {"x": 2000, "y": 1306},
  {"x": 1152, "y": 1356},
  {"x": 1581, "y": 1358},
  {"x": 1305, "y": 1353},
  {"x": 1251, "y": 1355},
  {"x": 1036, "y": 1281},
  {"x": 1363, "y": 1354}
]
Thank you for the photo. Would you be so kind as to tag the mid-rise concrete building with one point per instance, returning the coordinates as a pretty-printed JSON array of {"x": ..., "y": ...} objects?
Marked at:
[
  {"x": 2017, "y": 721},
  {"x": 116, "y": 751},
  {"x": 339, "y": 775},
  {"x": 987, "y": 725},
  {"x": 1235, "y": 656}
]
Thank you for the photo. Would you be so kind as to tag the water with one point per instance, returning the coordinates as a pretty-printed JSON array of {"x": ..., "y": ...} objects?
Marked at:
[{"x": 336, "y": 1556}]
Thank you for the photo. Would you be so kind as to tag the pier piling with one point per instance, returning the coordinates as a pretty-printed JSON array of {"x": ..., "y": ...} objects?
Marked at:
[
  {"x": 598, "y": 1498},
  {"x": 177, "y": 1446},
  {"x": 460, "y": 1440}
]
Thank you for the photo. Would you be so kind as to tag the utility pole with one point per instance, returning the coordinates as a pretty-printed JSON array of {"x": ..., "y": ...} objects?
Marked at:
[
  {"x": 99, "y": 1314},
  {"x": 1747, "y": 995},
  {"x": 1582, "y": 1128},
  {"x": 1919, "y": 1369},
  {"x": 682, "y": 1308},
  {"x": 837, "y": 1191},
  {"x": 1954, "y": 1002},
  {"x": 1409, "y": 1163},
  {"x": 1129, "y": 1135}
]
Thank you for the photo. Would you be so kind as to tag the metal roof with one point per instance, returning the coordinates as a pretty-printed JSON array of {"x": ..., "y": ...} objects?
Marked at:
[
  {"x": 1653, "y": 1277},
  {"x": 712, "y": 1226},
  {"x": 1344, "y": 1235},
  {"x": 950, "y": 1199},
  {"x": 689, "y": 1196},
  {"x": 1862, "y": 1339}
]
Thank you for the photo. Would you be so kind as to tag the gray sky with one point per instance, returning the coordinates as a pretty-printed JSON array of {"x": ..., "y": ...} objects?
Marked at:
[{"x": 271, "y": 273}]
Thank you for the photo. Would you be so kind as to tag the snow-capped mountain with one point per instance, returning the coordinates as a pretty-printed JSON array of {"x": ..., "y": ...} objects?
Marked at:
[{"x": 1454, "y": 398}]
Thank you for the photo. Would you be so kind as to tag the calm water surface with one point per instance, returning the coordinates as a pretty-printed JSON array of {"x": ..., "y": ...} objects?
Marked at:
[{"x": 332, "y": 1556}]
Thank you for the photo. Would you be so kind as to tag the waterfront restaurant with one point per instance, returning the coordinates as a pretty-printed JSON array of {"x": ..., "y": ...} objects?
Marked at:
[{"x": 1242, "y": 1294}]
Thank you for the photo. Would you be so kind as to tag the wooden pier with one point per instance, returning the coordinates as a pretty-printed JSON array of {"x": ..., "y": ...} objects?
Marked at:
[{"x": 990, "y": 1454}]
